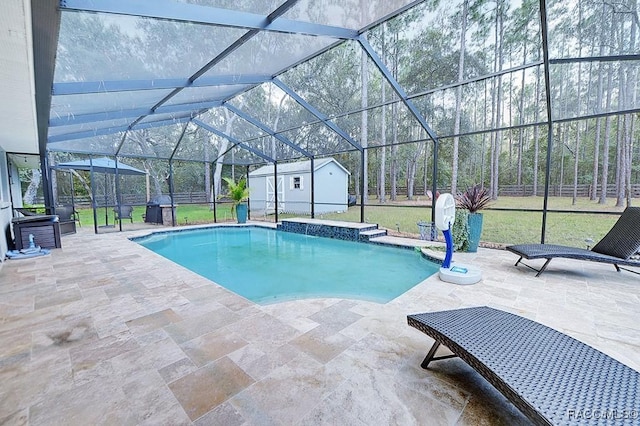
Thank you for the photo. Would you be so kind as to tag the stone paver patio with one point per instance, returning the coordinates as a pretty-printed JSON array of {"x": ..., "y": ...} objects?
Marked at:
[{"x": 104, "y": 331}]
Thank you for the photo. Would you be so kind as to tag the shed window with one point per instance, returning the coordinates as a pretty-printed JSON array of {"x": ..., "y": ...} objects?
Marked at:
[{"x": 296, "y": 182}]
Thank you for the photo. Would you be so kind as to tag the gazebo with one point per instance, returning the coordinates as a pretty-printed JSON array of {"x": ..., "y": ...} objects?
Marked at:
[{"x": 107, "y": 167}]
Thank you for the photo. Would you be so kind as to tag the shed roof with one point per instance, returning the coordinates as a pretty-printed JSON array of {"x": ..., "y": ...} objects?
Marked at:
[{"x": 296, "y": 167}]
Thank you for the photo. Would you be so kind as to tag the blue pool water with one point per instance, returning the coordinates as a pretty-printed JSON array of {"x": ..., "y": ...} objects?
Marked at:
[{"x": 268, "y": 266}]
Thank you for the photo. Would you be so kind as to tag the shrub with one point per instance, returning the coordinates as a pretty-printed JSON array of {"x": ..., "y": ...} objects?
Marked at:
[{"x": 460, "y": 231}]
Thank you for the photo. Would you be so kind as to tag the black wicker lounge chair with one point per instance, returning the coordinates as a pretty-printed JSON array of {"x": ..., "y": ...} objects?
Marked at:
[
  {"x": 616, "y": 248},
  {"x": 551, "y": 377}
]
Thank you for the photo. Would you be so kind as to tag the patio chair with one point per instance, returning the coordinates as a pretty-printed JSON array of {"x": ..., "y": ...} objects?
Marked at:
[
  {"x": 616, "y": 248},
  {"x": 68, "y": 217},
  {"x": 125, "y": 212}
]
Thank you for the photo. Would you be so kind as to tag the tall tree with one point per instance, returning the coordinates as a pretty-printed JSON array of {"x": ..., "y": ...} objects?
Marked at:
[
  {"x": 222, "y": 148},
  {"x": 598, "y": 106},
  {"x": 607, "y": 126},
  {"x": 364, "y": 133},
  {"x": 458, "y": 112},
  {"x": 576, "y": 151},
  {"x": 496, "y": 137}
]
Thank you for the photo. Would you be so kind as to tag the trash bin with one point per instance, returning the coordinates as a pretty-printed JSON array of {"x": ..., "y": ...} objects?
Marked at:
[{"x": 427, "y": 230}]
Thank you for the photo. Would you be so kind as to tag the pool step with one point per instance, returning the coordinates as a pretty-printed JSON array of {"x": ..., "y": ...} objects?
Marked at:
[{"x": 372, "y": 233}]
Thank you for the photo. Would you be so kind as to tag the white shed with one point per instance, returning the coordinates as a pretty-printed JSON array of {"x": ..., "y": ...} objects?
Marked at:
[{"x": 331, "y": 183}]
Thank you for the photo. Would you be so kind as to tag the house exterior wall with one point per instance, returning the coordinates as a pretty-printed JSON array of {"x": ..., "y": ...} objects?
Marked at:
[{"x": 5, "y": 203}]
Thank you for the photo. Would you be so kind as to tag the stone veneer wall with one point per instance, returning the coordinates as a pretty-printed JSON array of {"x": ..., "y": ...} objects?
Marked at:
[{"x": 327, "y": 231}]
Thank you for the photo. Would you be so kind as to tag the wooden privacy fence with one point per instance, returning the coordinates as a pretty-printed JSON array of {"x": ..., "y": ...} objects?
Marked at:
[
  {"x": 178, "y": 198},
  {"x": 584, "y": 191},
  {"x": 137, "y": 199}
]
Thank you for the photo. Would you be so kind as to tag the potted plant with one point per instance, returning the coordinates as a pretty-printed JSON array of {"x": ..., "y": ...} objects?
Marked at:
[
  {"x": 239, "y": 193},
  {"x": 473, "y": 200}
]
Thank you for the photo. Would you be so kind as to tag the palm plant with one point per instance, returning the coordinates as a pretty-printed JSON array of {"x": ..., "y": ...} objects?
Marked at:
[
  {"x": 237, "y": 192},
  {"x": 474, "y": 198}
]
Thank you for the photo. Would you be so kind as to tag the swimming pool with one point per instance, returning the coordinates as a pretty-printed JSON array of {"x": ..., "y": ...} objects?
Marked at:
[{"x": 268, "y": 266}]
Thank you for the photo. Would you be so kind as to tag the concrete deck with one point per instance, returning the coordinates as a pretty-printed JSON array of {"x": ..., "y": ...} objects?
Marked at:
[{"x": 104, "y": 331}]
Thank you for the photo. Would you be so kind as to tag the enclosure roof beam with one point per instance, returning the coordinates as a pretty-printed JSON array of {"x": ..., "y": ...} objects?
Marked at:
[
  {"x": 205, "y": 15},
  {"x": 175, "y": 149},
  {"x": 222, "y": 55},
  {"x": 124, "y": 138},
  {"x": 396, "y": 87},
  {"x": 323, "y": 118},
  {"x": 478, "y": 79},
  {"x": 233, "y": 140},
  {"x": 117, "y": 129},
  {"x": 86, "y": 87},
  {"x": 130, "y": 113},
  {"x": 611, "y": 58},
  {"x": 266, "y": 129}
]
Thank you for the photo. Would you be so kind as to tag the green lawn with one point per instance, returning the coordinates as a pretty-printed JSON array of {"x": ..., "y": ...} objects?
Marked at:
[
  {"x": 503, "y": 227},
  {"x": 506, "y": 227},
  {"x": 185, "y": 214}
]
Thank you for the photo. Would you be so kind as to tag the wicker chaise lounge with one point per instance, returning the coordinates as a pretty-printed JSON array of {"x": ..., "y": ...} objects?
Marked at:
[
  {"x": 616, "y": 248},
  {"x": 551, "y": 377}
]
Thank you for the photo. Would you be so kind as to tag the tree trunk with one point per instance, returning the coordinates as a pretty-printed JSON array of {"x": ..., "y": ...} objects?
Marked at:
[
  {"x": 364, "y": 75},
  {"x": 149, "y": 146},
  {"x": 630, "y": 98},
  {"x": 604, "y": 180},
  {"x": 31, "y": 193},
  {"x": 497, "y": 136},
  {"x": 576, "y": 151},
  {"x": 629, "y": 155},
  {"x": 456, "y": 123},
  {"x": 562, "y": 137},
  {"x": 382, "y": 193},
  {"x": 207, "y": 169},
  {"x": 393, "y": 167},
  {"x": 536, "y": 136},
  {"x": 521, "y": 131},
  {"x": 224, "y": 145},
  {"x": 412, "y": 162},
  {"x": 607, "y": 128},
  {"x": 598, "y": 130},
  {"x": 620, "y": 172}
]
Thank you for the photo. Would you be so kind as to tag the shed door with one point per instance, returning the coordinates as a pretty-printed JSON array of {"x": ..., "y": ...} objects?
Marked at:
[{"x": 271, "y": 197}]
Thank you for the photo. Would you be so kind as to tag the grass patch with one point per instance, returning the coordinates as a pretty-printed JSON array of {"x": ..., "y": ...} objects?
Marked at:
[
  {"x": 188, "y": 214},
  {"x": 506, "y": 227},
  {"x": 501, "y": 227}
]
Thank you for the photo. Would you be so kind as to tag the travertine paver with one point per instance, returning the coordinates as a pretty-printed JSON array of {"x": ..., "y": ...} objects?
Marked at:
[{"x": 103, "y": 331}]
